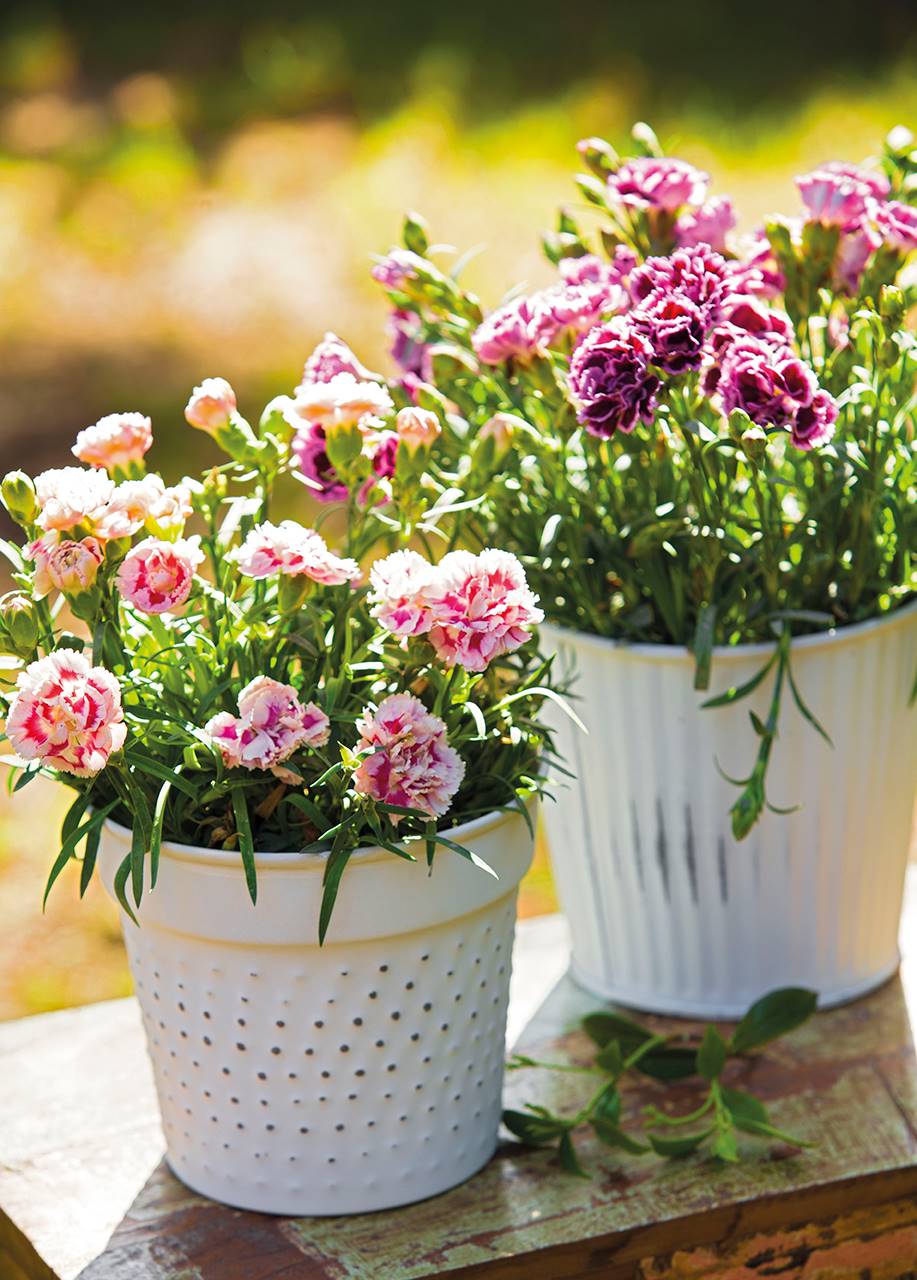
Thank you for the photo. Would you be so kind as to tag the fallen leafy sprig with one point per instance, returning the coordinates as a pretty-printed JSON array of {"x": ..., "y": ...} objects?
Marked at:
[{"x": 624, "y": 1046}]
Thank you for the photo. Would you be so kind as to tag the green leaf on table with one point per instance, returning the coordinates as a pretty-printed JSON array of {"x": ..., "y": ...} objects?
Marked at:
[
  {"x": 712, "y": 1054},
  {"x": 683, "y": 1145},
  {"x": 568, "y": 1158},
  {"x": 535, "y": 1130},
  {"x": 772, "y": 1016},
  {"x": 724, "y": 1146},
  {"x": 613, "y": 1136},
  {"x": 604, "y": 1026},
  {"x": 743, "y": 1106}
]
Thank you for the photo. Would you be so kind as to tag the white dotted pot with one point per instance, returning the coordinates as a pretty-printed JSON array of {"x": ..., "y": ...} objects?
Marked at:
[
  {"x": 356, "y": 1076},
  {"x": 668, "y": 911}
]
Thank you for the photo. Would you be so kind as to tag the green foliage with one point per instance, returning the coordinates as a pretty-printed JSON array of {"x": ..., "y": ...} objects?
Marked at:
[{"x": 624, "y": 1046}]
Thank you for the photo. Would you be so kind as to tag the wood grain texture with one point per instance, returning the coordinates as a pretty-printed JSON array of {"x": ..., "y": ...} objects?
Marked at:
[{"x": 82, "y": 1178}]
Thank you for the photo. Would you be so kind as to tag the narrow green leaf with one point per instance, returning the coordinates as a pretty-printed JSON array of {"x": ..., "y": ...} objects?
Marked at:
[
  {"x": 469, "y": 854},
  {"x": 804, "y": 711},
  {"x": 773, "y": 1015},
  {"x": 246, "y": 844},
  {"x": 683, "y": 1145},
  {"x": 120, "y": 884},
  {"x": 89, "y": 856},
  {"x": 568, "y": 1158},
  {"x": 604, "y": 1026},
  {"x": 763, "y": 1130},
  {"x": 736, "y": 692},
  {"x": 609, "y": 1133},
  {"x": 704, "y": 634}
]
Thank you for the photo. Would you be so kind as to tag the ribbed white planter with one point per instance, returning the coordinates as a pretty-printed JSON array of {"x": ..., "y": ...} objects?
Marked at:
[
  {"x": 668, "y": 912},
  {"x": 360, "y": 1075}
]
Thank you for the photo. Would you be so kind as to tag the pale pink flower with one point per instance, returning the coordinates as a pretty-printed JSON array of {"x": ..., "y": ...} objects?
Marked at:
[
  {"x": 331, "y": 357},
  {"x": 66, "y": 565},
  {"x": 417, "y": 428},
  {"x": 212, "y": 404},
  {"x": 66, "y": 713},
  {"x": 411, "y": 763},
  {"x": 513, "y": 332},
  {"x": 168, "y": 510},
  {"x": 68, "y": 496},
  {"x": 342, "y": 401},
  {"x": 840, "y": 194},
  {"x": 481, "y": 608},
  {"x": 155, "y": 575},
  {"x": 710, "y": 224},
  {"x": 128, "y": 507},
  {"x": 897, "y": 224},
  {"x": 401, "y": 583},
  {"x": 271, "y": 725},
  {"x": 291, "y": 549},
  {"x": 115, "y": 442}
]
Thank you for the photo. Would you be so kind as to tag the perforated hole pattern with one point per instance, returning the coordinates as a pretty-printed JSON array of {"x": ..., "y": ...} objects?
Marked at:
[{"x": 301, "y": 1080}]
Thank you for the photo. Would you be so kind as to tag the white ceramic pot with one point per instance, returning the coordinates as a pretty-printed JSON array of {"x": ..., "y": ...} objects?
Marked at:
[
  {"x": 360, "y": 1075},
  {"x": 668, "y": 912}
]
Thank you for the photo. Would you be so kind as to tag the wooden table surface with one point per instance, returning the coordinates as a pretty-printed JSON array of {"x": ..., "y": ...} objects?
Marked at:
[{"x": 84, "y": 1190}]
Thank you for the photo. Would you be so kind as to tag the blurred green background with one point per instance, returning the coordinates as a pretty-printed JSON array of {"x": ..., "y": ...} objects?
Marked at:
[{"x": 197, "y": 189}]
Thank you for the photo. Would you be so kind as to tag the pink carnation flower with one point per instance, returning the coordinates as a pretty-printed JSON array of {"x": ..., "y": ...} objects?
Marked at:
[
  {"x": 398, "y": 268},
  {"x": 512, "y": 332},
  {"x": 401, "y": 584},
  {"x": 570, "y": 309},
  {"x": 342, "y": 401},
  {"x": 115, "y": 442},
  {"x": 271, "y": 725},
  {"x": 710, "y": 224},
  {"x": 814, "y": 423},
  {"x": 68, "y": 496},
  {"x": 840, "y": 194},
  {"x": 66, "y": 566},
  {"x": 757, "y": 271},
  {"x": 897, "y": 225},
  {"x": 331, "y": 357},
  {"x": 155, "y": 576},
  {"x": 592, "y": 270},
  {"x": 648, "y": 182},
  {"x": 291, "y": 549},
  {"x": 211, "y": 406},
  {"x": 411, "y": 763},
  {"x": 853, "y": 252},
  {"x": 417, "y": 428},
  {"x": 481, "y": 607},
  {"x": 66, "y": 713}
]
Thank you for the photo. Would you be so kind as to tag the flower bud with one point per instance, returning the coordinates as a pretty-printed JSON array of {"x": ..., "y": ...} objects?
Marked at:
[
  {"x": 414, "y": 234},
  {"x": 211, "y": 406},
  {"x": 343, "y": 444},
  {"x": 497, "y": 433},
  {"x": 18, "y": 495},
  {"x": 646, "y": 139},
  {"x": 754, "y": 444},
  {"x": 279, "y": 419},
  {"x": 19, "y": 624},
  {"x": 417, "y": 428},
  {"x": 598, "y": 156},
  {"x": 892, "y": 305},
  {"x": 889, "y": 354},
  {"x": 900, "y": 140}
]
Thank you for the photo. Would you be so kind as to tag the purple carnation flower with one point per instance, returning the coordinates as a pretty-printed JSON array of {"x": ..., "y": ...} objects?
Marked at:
[
  {"x": 407, "y": 349},
  {"x": 648, "y": 182},
  {"x": 814, "y": 423},
  {"x": 699, "y": 274},
  {"x": 592, "y": 270},
  {"x": 611, "y": 378},
  {"x": 398, "y": 268},
  {"x": 315, "y": 465},
  {"x": 770, "y": 384},
  {"x": 331, "y": 357},
  {"x": 676, "y": 328}
]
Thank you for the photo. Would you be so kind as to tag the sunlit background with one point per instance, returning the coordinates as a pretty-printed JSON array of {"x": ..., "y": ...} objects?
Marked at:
[{"x": 198, "y": 189}]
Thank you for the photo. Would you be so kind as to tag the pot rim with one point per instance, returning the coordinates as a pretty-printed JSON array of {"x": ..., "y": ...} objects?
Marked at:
[
  {"x": 315, "y": 862},
  {"x": 737, "y": 652}
]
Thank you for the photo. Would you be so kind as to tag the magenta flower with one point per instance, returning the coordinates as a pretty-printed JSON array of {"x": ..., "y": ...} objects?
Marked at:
[
  {"x": 897, "y": 225},
  {"x": 676, "y": 328},
  {"x": 854, "y": 250},
  {"x": 332, "y": 356},
  {"x": 115, "y": 442},
  {"x": 66, "y": 713},
  {"x": 409, "y": 761},
  {"x": 211, "y": 405},
  {"x": 398, "y": 268},
  {"x": 770, "y": 384},
  {"x": 310, "y": 449},
  {"x": 648, "y": 182},
  {"x": 592, "y": 270},
  {"x": 407, "y": 349},
  {"x": 698, "y": 273},
  {"x": 384, "y": 453},
  {"x": 611, "y": 378},
  {"x": 480, "y": 608},
  {"x": 156, "y": 576},
  {"x": 289, "y": 548},
  {"x": 710, "y": 224},
  {"x": 814, "y": 423},
  {"x": 512, "y": 332},
  {"x": 401, "y": 586},
  {"x": 758, "y": 272},
  {"x": 840, "y": 194},
  {"x": 570, "y": 309},
  {"x": 271, "y": 725},
  {"x": 66, "y": 566}
]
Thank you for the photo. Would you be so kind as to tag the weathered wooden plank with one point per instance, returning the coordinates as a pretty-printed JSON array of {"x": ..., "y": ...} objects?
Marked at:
[{"x": 82, "y": 1143}]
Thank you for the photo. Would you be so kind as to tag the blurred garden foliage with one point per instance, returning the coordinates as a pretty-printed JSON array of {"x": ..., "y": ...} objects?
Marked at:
[{"x": 198, "y": 189}]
